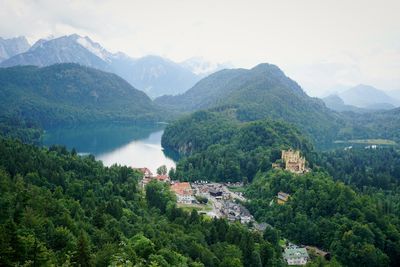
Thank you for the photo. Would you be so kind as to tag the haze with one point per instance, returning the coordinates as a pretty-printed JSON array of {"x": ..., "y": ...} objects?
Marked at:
[{"x": 324, "y": 45}]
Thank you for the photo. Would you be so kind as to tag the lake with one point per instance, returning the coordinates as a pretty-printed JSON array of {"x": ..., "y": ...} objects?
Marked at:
[{"x": 131, "y": 145}]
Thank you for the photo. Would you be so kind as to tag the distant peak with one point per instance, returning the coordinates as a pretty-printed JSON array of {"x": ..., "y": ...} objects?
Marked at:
[
  {"x": 266, "y": 66},
  {"x": 75, "y": 36}
]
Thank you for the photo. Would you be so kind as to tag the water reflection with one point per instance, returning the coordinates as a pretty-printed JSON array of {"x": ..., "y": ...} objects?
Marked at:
[{"x": 131, "y": 145}]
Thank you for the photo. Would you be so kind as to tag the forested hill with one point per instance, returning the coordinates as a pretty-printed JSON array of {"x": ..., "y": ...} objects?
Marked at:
[
  {"x": 70, "y": 93},
  {"x": 221, "y": 149},
  {"x": 59, "y": 209},
  {"x": 261, "y": 92},
  {"x": 348, "y": 204}
]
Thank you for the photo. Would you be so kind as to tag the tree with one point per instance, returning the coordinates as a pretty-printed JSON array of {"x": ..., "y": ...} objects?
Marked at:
[
  {"x": 82, "y": 254},
  {"x": 162, "y": 170}
]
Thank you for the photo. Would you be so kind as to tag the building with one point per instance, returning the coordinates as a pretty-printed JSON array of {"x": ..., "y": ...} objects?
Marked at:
[
  {"x": 183, "y": 192},
  {"x": 295, "y": 256},
  {"x": 282, "y": 198},
  {"x": 215, "y": 192},
  {"x": 293, "y": 161},
  {"x": 163, "y": 178},
  {"x": 146, "y": 172}
]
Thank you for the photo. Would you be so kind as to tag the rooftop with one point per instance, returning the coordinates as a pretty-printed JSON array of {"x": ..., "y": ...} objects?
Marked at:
[
  {"x": 183, "y": 188},
  {"x": 291, "y": 253}
]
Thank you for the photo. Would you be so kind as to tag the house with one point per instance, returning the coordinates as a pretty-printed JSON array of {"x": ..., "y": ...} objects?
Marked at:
[
  {"x": 146, "y": 172},
  {"x": 215, "y": 192},
  {"x": 162, "y": 178},
  {"x": 183, "y": 192},
  {"x": 282, "y": 198},
  {"x": 295, "y": 256}
]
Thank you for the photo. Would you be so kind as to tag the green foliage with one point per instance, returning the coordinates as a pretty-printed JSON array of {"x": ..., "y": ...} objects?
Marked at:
[
  {"x": 59, "y": 209},
  {"x": 14, "y": 127},
  {"x": 69, "y": 93},
  {"x": 378, "y": 168},
  {"x": 162, "y": 170},
  {"x": 330, "y": 215},
  {"x": 259, "y": 93},
  {"x": 221, "y": 150},
  {"x": 379, "y": 124}
]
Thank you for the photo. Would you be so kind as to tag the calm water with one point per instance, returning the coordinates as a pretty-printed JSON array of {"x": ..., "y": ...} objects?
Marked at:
[{"x": 136, "y": 146}]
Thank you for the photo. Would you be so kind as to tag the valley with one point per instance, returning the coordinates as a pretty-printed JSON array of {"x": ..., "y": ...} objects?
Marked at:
[{"x": 110, "y": 160}]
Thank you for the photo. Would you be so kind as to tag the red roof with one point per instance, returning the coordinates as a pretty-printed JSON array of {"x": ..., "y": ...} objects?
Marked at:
[
  {"x": 162, "y": 177},
  {"x": 183, "y": 188}
]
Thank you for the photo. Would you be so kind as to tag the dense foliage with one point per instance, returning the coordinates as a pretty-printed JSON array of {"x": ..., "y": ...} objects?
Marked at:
[
  {"x": 356, "y": 218},
  {"x": 379, "y": 124},
  {"x": 358, "y": 229},
  {"x": 220, "y": 149},
  {"x": 27, "y": 132},
  {"x": 69, "y": 93},
  {"x": 363, "y": 167},
  {"x": 59, "y": 209}
]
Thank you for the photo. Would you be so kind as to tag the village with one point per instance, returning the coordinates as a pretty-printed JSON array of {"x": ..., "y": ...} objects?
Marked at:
[
  {"x": 226, "y": 200},
  {"x": 215, "y": 200}
]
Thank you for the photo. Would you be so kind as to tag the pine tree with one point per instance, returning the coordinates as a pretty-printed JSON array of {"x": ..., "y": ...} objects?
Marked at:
[{"x": 82, "y": 256}]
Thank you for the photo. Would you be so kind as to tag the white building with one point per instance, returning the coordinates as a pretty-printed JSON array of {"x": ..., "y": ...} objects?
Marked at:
[{"x": 296, "y": 256}]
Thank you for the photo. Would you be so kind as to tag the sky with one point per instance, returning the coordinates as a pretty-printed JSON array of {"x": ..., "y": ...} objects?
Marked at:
[{"x": 325, "y": 45}]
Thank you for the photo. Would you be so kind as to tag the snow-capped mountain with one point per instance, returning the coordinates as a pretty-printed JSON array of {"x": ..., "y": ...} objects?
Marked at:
[
  {"x": 202, "y": 67},
  {"x": 12, "y": 46},
  {"x": 65, "y": 49},
  {"x": 152, "y": 74}
]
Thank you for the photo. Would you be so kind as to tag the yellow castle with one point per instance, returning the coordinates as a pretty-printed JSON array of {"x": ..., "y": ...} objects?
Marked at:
[{"x": 293, "y": 162}]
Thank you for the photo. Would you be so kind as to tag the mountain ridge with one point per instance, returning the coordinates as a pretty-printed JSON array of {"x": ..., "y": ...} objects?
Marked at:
[
  {"x": 366, "y": 96},
  {"x": 154, "y": 75},
  {"x": 12, "y": 46},
  {"x": 69, "y": 93},
  {"x": 263, "y": 91}
]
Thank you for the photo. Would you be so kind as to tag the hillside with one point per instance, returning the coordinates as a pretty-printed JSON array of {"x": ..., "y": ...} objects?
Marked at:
[
  {"x": 380, "y": 124},
  {"x": 261, "y": 92},
  {"x": 221, "y": 149},
  {"x": 69, "y": 93},
  {"x": 59, "y": 209}
]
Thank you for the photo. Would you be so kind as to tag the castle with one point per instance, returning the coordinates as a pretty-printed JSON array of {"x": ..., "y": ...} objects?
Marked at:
[{"x": 293, "y": 162}]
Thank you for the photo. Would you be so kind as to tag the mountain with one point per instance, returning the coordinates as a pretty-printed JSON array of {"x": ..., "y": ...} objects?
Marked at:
[
  {"x": 365, "y": 96},
  {"x": 334, "y": 102},
  {"x": 70, "y": 93},
  {"x": 261, "y": 92},
  {"x": 152, "y": 74},
  {"x": 159, "y": 76},
  {"x": 66, "y": 49},
  {"x": 394, "y": 94},
  {"x": 13, "y": 46}
]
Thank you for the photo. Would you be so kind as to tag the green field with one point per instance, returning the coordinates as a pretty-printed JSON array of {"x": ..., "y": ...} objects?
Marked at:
[
  {"x": 236, "y": 188},
  {"x": 386, "y": 142},
  {"x": 198, "y": 207}
]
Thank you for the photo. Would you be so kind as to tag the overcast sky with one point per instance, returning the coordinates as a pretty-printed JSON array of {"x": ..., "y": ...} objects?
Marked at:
[{"x": 325, "y": 45}]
